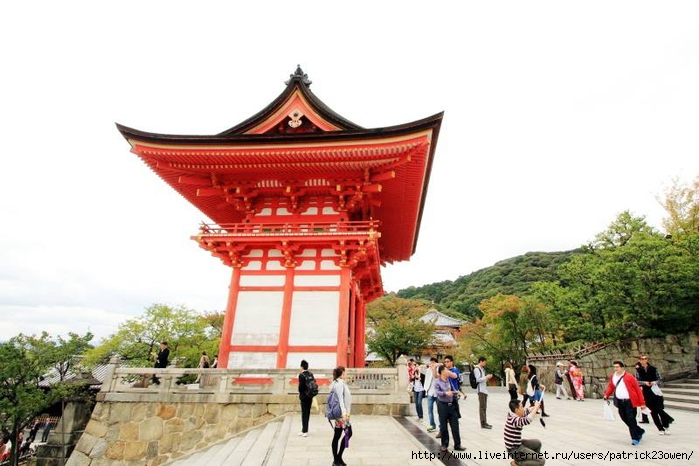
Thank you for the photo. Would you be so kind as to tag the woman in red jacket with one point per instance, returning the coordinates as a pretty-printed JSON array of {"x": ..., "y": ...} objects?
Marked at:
[{"x": 627, "y": 397}]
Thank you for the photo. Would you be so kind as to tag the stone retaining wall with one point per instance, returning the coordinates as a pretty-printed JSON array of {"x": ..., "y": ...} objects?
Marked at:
[
  {"x": 147, "y": 432},
  {"x": 672, "y": 355}
]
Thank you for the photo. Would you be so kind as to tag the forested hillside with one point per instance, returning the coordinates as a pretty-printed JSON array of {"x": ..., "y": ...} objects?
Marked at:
[{"x": 513, "y": 276}]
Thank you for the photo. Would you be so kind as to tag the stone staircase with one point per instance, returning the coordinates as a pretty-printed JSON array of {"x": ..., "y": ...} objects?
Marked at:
[
  {"x": 260, "y": 446},
  {"x": 682, "y": 394}
]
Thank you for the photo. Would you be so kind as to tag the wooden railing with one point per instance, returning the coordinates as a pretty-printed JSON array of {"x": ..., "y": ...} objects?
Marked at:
[{"x": 298, "y": 228}]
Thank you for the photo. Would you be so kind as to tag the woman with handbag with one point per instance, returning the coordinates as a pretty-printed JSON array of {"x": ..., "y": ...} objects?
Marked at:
[
  {"x": 510, "y": 381},
  {"x": 340, "y": 425}
]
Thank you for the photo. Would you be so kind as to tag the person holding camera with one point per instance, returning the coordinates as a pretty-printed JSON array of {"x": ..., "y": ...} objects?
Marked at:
[{"x": 447, "y": 407}]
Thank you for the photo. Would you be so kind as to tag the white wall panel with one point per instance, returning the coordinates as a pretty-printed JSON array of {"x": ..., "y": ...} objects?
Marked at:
[
  {"x": 317, "y": 280},
  {"x": 314, "y": 318},
  {"x": 252, "y": 360},
  {"x": 257, "y": 318},
  {"x": 262, "y": 280},
  {"x": 253, "y": 265},
  {"x": 328, "y": 265}
]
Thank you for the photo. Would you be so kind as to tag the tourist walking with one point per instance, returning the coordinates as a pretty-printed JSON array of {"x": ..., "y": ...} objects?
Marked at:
[
  {"x": 510, "y": 381},
  {"x": 526, "y": 452},
  {"x": 430, "y": 377},
  {"x": 648, "y": 378},
  {"x": 344, "y": 397},
  {"x": 627, "y": 397},
  {"x": 576, "y": 376},
  {"x": 558, "y": 377},
  {"x": 482, "y": 378},
  {"x": 447, "y": 402}
]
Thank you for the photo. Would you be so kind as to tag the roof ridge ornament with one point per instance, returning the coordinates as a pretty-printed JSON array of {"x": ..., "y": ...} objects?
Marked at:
[{"x": 299, "y": 74}]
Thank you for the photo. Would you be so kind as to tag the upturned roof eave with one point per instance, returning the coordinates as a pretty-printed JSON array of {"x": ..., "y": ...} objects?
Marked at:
[{"x": 432, "y": 122}]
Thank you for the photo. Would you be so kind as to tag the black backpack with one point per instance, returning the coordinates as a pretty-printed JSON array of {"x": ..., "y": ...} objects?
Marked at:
[
  {"x": 472, "y": 379},
  {"x": 311, "y": 389}
]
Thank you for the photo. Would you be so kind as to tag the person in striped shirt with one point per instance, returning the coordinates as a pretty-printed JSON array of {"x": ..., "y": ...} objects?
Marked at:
[{"x": 525, "y": 452}]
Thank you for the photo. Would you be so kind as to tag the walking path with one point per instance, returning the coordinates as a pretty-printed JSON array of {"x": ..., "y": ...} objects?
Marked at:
[{"x": 573, "y": 428}]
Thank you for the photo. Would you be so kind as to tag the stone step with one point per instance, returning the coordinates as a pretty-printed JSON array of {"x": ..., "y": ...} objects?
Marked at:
[
  {"x": 276, "y": 456},
  {"x": 227, "y": 448},
  {"x": 203, "y": 458},
  {"x": 683, "y": 385},
  {"x": 238, "y": 455},
  {"x": 262, "y": 446},
  {"x": 670, "y": 405},
  {"x": 681, "y": 399},
  {"x": 680, "y": 391}
]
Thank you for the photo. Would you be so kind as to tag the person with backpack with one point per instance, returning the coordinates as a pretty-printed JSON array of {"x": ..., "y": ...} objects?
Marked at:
[
  {"x": 338, "y": 413},
  {"x": 308, "y": 389},
  {"x": 482, "y": 389}
]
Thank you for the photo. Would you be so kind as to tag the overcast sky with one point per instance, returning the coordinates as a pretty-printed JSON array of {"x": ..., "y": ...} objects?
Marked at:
[{"x": 558, "y": 116}]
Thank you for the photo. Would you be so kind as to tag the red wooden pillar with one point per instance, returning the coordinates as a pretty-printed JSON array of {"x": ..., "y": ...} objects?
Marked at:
[
  {"x": 228, "y": 321},
  {"x": 343, "y": 320},
  {"x": 283, "y": 348}
]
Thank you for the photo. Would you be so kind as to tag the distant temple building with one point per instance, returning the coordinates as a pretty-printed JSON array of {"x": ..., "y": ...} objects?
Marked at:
[
  {"x": 306, "y": 207},
  {"x": 446, "y": 332}
]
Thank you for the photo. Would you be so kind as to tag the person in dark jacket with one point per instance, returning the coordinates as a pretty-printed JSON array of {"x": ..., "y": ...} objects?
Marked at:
[
  {"x": 538, "y": 390},
  {"x": 648, "y": 376},
  {"x": 161, "y": 359},
  {"x": 306, "y": 401}
]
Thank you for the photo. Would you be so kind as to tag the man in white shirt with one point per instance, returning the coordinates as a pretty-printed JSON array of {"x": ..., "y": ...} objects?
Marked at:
[{"x": 430, "y": 375}]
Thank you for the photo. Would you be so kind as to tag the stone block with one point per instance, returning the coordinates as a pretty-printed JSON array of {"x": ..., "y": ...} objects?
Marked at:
[
  {"x": 244, "y": 410},
  {"x": 138, "y": 413},
  {"x": 96, "y": 428},
  {"x": 99, "y": 449},
  {"x": 159, "y": 460},
  {"x": 258, "y": 410},
  {"x": 169, "y": 443},
  {"x": 128, "y": 431},
  {"x": 135, "y": 451},
  {"x": 189, "y": 441},
  {"x": 112, "y": 433},
  {"x": 166, "y": 411},
  {"x": 381, "y": 409},
  {"x": 78, "y": 459},
  {"x": 120, "y": 412},
  {"x": 185, "y": 410},
  {"x": 151, "y": 429},
  {"x": 173, "y": 425},
  {"x": 86, "y": 443},
  {"x": 229, "y": 412},
  {"x": 212, "y": 413},
  {"x": 152, "y": 450},
  {"x": 115, "y": 451}
]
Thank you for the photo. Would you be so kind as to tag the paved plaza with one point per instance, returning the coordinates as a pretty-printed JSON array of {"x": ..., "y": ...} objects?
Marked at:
[{"x": 574, "y": 428}]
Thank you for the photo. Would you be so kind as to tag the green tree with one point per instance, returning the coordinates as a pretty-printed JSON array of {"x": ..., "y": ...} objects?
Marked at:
[
  {"x": 24, "y": 360},
  {"x": 396, "y": 327},
  {"x": 186, "y": 331}
]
